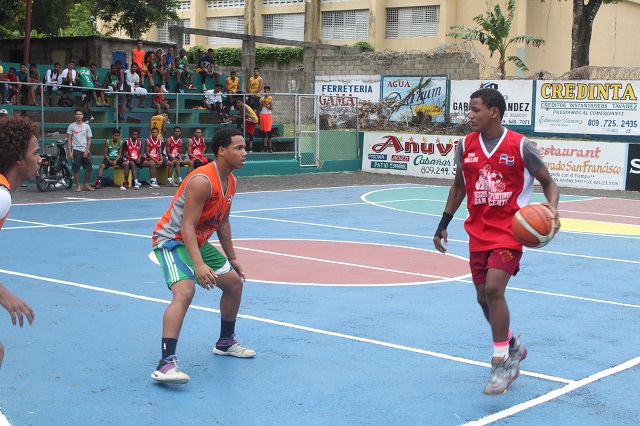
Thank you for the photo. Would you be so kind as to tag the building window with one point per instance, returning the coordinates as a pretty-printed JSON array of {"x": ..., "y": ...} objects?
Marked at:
[
  {"x": 408, "y": 22},
  {"x": 289, "y": 26},
  {"x": 345, "y": 25},
  {"x": 183, "y": 5},
  {"x": 163, "y": 31},
  {"x": 277, "y": 2},
  {"x": 223, "y": 4},
  {"x": 231, "y": 24}
]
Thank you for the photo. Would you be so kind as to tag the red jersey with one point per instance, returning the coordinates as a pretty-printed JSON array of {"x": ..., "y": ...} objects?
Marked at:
[
  {"x": 174, "y": 147},
  {"x": 4, "y": 182},
  {"x": 497, "y": 185},
  {"x": 197, "y": 148},
  {"x": 133, "y": 149},
  {"x": 155, "y": 148},
  {"x": 170, "y": 224}
]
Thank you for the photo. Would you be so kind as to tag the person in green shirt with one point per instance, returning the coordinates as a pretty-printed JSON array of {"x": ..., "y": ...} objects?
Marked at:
[
  {"x": 86, "y": 82},
  {"x": 111, "y": 155}
]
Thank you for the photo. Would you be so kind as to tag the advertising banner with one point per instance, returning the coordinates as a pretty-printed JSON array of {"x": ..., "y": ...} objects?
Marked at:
[
  {"x": 587, "y": 107},
  {"x": 518, "y": 94},
  {"x": 633, "y": 168},
  {"x": 580, "y": 164},
  {"x": 342, "y": 90},
  {"x": 410, "y": 155},
  {"x": 416, "y": 95}
]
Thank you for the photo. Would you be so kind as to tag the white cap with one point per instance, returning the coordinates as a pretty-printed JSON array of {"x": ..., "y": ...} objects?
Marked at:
[{"x": 3, "y": 111}]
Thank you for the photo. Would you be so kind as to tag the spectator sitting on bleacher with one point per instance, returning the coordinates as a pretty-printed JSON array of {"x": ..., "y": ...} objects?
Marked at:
[
  {"x": 173, "y": 146},
  {"x": 26, "y": 91},
  {"x": 97, "y": 84},
  {"x": 68, "y": 77},
  {"x": 255, "y": 84},
  {"x": 167, "y": 63},
  {"x": 154, "y": 158},
  {"x": 133, "y": 81},
  {"x": 9, "y": 91},
  {"x": 231, "y": 87},
  {"x": 159, "y": 100},
  {"x": 205, "y": 68},
  {"x": 86, "y": 82},
  {"x": 158, "y": 68},
  {"x": 131, "y": 158},
  {"x": 212, "y": 100},
  {"x": 183, "y": 73},
  {"x": 248, "y": 121},
  {"x": 111, "y": 156},
  {"x": 34, "y": 77},
  {"x": 266, "y": 118},
  {"x": 138, "y": 56},
  {"x": 195, "y": 149},
  {"x": 51, "y": 81},
  {"x": 122, "y": 87}
]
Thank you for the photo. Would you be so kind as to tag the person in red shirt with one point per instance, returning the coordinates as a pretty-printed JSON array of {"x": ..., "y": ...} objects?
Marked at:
[
  {"x": 9, "y": 91},
  {"x": 495, "y": 171},
  {"x": 196, "y": 148},
  {"x": 19, "y": 162},
  {"x": 180, "y": 242}
]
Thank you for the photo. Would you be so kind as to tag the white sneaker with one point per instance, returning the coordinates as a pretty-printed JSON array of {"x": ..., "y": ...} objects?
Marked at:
[
  {"x": 154, "y": 185},
  {"x": 136, "y": 185},
  {"x": 168, "y": 372},
  {"x": 204, "y": 87},
  {"x": 124, "y": 188},
  {"x": 235, "y": 349}
]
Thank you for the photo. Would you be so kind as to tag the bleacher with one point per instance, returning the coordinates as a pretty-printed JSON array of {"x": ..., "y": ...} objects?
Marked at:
[{"x": 184, "y": 112}]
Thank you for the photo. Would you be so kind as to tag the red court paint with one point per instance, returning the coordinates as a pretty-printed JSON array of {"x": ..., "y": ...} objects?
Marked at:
[{"x": 316, "y": 262}]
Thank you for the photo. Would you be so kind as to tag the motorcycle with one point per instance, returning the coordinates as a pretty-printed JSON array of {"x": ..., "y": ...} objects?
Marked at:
[{"x": 54, "y": 169}]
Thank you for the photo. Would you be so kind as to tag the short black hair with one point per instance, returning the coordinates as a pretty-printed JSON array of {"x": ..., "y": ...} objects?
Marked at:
[
  {"x": 222, "y": 138},
  {"x": 256, "y": 69},
  {"x": 209, "y": 50},
  {"x": 33, "y": 65},
  {"x": 266, "y": 87},
  {"x": 82, "y": 62},
  {"x": 177, "y": 127},
  {"x": 55, "y": 64},
  {"x": 491, "y": 98},
  {"x": 114, "y": 131}
]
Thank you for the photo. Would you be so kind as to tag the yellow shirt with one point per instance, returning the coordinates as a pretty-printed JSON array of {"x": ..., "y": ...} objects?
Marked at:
[
  {"x": 232, "y": 85},
  {"x": 156, "y": 121},
  {"x": 254, "y": 84}
]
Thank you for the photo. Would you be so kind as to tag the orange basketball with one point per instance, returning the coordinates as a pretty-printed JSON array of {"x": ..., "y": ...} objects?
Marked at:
[{"x": 533, "y": 225}]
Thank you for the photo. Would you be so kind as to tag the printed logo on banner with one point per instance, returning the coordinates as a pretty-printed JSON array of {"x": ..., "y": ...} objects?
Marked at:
[
  {"x": 413, "y": 146},
  {"x": 633, "y": 168}
]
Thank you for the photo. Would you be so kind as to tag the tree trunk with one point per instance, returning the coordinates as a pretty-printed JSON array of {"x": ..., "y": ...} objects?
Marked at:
[{"x": 583, "y": 17}]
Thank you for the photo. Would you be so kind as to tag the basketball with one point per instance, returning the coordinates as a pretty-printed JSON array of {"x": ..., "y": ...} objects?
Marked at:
[{"x": 533, "y": 226}]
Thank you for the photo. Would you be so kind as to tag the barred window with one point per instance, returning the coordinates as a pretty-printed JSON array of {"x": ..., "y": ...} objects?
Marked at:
[
  {"x": 277, "y": 2},
  {"x": 408, "y": 22},
  {"x": 289, "y": 26},
  {"x": 222, "y": 4},
  {"x": 183, "y": 5},
  {"x": 163, "y": 31},
  {"x": 345, "y": 25},
  {"x": 232, "y": 24}
]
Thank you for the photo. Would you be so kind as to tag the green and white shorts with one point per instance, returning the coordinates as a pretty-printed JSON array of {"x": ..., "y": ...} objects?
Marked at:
[{"x": 177, "y": 265}]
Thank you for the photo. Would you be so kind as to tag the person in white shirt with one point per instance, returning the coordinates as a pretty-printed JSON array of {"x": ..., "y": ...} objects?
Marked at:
[
  {"x": 133, "y": 81},
  {"x": 52, "y": 79},
  {"x": 212, "y": 100}
]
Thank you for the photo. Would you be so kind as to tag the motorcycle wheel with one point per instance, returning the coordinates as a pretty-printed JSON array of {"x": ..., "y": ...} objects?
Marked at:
[
  {"x": 67, "y": 177},
  {"x": 40, "y": 182}
]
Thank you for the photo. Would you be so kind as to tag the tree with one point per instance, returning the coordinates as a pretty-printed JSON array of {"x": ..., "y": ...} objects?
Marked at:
[
  {"x": 81, "y": 22},
  {"x": 135, "y": 17},
  {"x": 494, "y": 32},
  {"x": 584, "y": 13}
]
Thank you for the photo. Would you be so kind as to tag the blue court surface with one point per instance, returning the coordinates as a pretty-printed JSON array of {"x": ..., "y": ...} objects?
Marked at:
[{"x": 354, "y": 316}]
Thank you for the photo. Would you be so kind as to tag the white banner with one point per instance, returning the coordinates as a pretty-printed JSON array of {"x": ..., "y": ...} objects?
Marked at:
[
  {"x": 410, "y": 155},
  {"x": 518, "y": 94},
  {"x": 421, "y": 94},
  {"x": 587, "y": 107},
  {"x": 342, "y": 89},
  {"x": 580, "y": 164}
]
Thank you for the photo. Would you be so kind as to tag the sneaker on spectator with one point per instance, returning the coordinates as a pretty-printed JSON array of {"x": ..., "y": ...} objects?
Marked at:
[
  {"x": 231, "y": 347},
  {"x": 136, "y": 185},
  {"x": 98, "y": 184},
  {"x": 167, "y": 371},
  {"x": 192, "y": 87},
  {"x": 164, "y": 90},
  {"x": 129, "y": 105},
  {"x": 125, "y": 185},
  {"x": 154, "y": 185},
  {"x": 9, "y": 103},
  {"x": 91, "y": 118},
  {"x": 204, "y": 87}
]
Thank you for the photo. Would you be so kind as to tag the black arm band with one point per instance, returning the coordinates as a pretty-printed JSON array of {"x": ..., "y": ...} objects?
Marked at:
[{"x": 444, "y": 222}]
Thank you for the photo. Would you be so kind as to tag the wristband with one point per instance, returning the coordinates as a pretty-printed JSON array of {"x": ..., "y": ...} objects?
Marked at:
[
  {"x": 231, "y": 258},
  {"x": 444, "y": 222}
]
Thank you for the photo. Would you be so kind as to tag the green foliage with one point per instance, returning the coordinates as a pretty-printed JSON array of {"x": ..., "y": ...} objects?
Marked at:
[
  {"x": 228, "y": 57},
  {"x": 281, "y": 55},
  {"x": 367, "y": 47},
  {"x": 135, "y": 17},
  {"x": 195, "y": 53},
  {"x": 493, "y": 31},
  {"x": 81, "y": 22}
]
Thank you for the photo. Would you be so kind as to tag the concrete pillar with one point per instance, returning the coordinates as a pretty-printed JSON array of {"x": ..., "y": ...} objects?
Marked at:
[
  {"x": 248, "y": 60},
  {"x": 312, "y": 21}
]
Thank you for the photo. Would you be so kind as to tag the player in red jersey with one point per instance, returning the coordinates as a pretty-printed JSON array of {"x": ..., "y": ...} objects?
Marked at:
[{"x": 495, "y": 171}]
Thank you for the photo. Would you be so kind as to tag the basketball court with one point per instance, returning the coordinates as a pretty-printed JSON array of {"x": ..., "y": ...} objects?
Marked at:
[{"x": 355, "y": 317}]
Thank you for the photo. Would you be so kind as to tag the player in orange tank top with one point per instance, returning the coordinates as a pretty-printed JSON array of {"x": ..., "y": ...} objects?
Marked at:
[
  {"x": 180, "y": 242},
  {"x": 19, "y": 162},
  {"x": 495, "y": 171}
]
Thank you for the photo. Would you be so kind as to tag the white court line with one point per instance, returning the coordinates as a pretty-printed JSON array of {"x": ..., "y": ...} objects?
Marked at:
[
  {"x": 286, "y": 324},
  {"x": 555, "y": 393}
]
